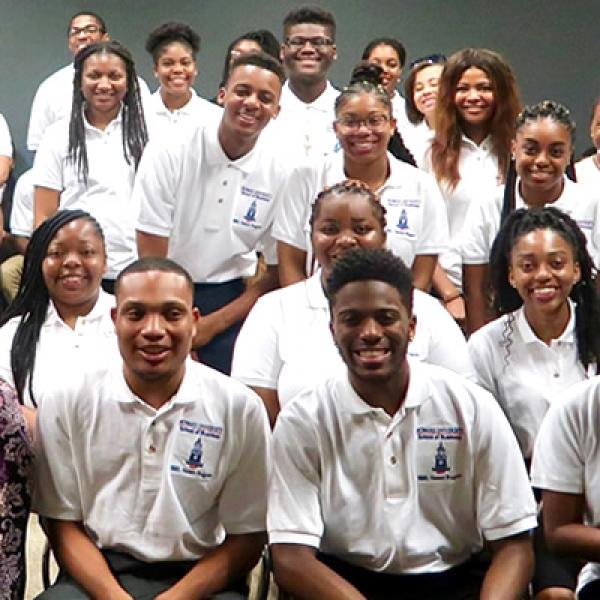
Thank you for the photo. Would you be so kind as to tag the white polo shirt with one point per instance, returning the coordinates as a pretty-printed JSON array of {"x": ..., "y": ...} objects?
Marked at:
[
  {"x": 479, "y": 178},
  {"x": 107, "y": 195},
  {"x": 566, "y": 457},
  {"x": 483, "y": 220},
  {"x": 523, "y": 373},
  {"x": 304, "y": 129},
  {"x": 61, "y": 351},
  {"x": 163, "y": 484},
  {"x": 21, "y": 216},
  {"x": 415, "y": 212},
  {"x": 414, "y": 493},
  {"x": 165, "y": 122},
  {"x": 6, "y": 148},
  {"x": 53, "y": 101},
  {"x": 417, "y": 139},
  {"x": 216, "y": 212},
  {"x": 588, "y": 173},
  {"x": 285, "y": 343}
]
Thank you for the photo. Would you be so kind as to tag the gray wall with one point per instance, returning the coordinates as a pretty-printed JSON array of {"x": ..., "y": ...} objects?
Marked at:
[{"x": 553, "y": 45}]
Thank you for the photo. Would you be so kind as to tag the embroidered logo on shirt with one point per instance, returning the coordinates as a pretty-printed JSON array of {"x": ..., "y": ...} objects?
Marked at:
[
  {"x": 195, "y": 459},
  {"x": 251, "y": 212},
  {"x": 196, "y": 449},
  {"x": 439, "y": 452},
  {"x": 440, "y": 460}
]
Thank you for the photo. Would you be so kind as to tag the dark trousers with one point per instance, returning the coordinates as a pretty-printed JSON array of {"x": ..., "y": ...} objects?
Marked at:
[
  {"x": 209, "y": 297},
  {"x": 143, "y": 581},
  {"x": 459, "y": 583}
]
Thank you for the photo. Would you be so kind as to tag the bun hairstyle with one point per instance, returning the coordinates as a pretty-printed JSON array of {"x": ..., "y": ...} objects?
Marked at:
[{"x": 170, "y": 32}]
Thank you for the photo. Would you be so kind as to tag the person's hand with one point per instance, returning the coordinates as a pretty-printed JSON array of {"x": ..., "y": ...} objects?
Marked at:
[{"x": 456, "y": 308}]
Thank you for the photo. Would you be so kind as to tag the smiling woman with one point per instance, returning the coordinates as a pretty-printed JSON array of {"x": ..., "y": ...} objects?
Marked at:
[{"x": 60, "y": 315}]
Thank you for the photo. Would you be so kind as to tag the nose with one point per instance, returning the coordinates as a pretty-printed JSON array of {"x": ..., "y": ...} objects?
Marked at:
[
  {"x": 153, "y": 325},
  {"x": 473, "y": 94},
  {"x": 72, "y": 258},
  {"x": 346, "y": 239},
  {"x": 370, "y": 331},
  {"x": 251, "y": 101},
  {"x": 543, "y": 272},
  {"x": 104, "y": 83},
  {"x": 541, "y": 158}
]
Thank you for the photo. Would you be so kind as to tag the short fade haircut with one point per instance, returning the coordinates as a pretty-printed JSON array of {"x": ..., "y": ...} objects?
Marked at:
[
  {"x": 258, "y": 59},
  {"x": 362, "y": 264},
  {"x": 309, "y": 14},
  {"x": 153, "y": 263},
  {"x": 88, "y": 13}
]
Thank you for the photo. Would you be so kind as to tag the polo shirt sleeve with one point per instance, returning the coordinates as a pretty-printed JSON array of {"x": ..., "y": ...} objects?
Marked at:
[
  {"x": 243, "y": 499},
  {"x": 7, "y": 334},
  {"x": 5, "y": 139},
  {"x": 155, "y": 188},
  {"x": 56, "y": 493},
  {"x": 256, "y": 358},
  {"x": 504, "y": 500},
  {"x": 434, "y": 235},
  {"x": 477, "y": 236},
  {"x": 21, "y": 216},
  {"x": 40, "y": 117},
  {"x": 294, "y": 513},
  {"x": 291, "y": 220},
  {"x": 49, "y": 163},
  {"x": 484, "y": 358},
  {"x": 559, "y": 457}
]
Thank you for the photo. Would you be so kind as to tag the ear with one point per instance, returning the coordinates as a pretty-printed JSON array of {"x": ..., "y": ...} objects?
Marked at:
[
  {"x": 334, "y": 47},
  {"x": 113, "y": 314},
  {"x": 393, "y": 125},
  {"x": 155, "y": 72},
  {"x": 576, "y": 273},
  {"x": 511, "y": 278},
  {"x": 105, "y": 38},
  {"x": 221, "y": 96},
  {"x": 513, "y": 149},
  {"x": 412, "y": 328},
  {"x": 281, "y": 52}
]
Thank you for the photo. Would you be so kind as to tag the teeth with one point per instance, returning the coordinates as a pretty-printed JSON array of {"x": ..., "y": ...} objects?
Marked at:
[{"x": 372, "y": 352}]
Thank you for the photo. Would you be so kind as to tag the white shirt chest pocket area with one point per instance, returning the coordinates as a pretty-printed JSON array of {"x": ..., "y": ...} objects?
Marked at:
[
  {"x": 440, "y": 456},
  {"x": 194, "y": 468},
  {"x": 252, "y": 214}
]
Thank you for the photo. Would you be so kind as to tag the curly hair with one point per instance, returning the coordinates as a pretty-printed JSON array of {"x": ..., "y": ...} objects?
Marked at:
[{"x": 170, "y": 32}]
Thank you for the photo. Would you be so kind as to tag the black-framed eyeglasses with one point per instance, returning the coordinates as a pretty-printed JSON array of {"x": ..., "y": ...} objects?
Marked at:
[
  {"x": 297, "y": 43},
  {"x": 432, "y": 59},
  {"x": 372, "y": 122},
  {"x": 88, "y": 30}
]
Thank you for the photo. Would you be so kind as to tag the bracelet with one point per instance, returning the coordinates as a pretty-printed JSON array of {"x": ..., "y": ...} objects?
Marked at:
[{"x": 453, "y": 297}]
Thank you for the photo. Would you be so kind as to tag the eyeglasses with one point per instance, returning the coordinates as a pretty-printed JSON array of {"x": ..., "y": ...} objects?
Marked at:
[
  {"x": 372, "y": 122},
  {"x": 432, "y": 59},
  {"x": 319, "y": 43},
  {"x": 88, "y": 30}
]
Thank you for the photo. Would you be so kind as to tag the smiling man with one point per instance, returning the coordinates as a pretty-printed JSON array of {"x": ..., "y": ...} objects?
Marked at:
[
  {"x": 208, "y": 201},
  {"x": 152, "y": 472},
  {"x": 305, "y": 126},
  {"x": 393, "y": 476}
]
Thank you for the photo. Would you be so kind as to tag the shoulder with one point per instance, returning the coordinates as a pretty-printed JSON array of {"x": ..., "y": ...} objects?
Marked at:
[
  {"x": 59, "y": 77},
  {"x": 494, "y": 333}
]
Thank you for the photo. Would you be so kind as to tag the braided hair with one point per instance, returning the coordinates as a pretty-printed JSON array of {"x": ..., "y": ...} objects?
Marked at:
[
  {"x": 135, "y": 135},
  {"x": 32, "y": 299},
  {"x": 584, "y": 294}
]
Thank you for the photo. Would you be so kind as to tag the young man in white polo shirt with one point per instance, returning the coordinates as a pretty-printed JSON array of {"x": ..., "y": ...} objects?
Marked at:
[
  {"x": 54, "y": 96},
  {"x": 208, "y": 201},
  {"x": 305, "y": 125},
  {"x": 395, "y": 473},
  {"x": 152, "y": 471}
]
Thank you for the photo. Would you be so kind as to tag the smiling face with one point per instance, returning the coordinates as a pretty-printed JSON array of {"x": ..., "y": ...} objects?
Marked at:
[
  {"x": 372, "y": 328},
  {"x": 344, "y": 221},
  {"x": 387, "y": 58},
  {"x": 425, "y": 90},
  {"x": 250, "y": 100},
  {"x": 363, "y": 142},
  {"x": 304, "y": 61},
  {"x": 73, "y": 268},
  {"x": 542, "y": 151},
  {"x": 176, "y": 70},
  {"x": 595, "y": 127},
  {"x": 83, "y": 31},
  {"x": 543, "y": 270},
  {"x": 103, "y": 85},
  {"x": 474, "y": 101},
  {"x": 244, "y": 47},
  {"x": 155, "y": 324}
]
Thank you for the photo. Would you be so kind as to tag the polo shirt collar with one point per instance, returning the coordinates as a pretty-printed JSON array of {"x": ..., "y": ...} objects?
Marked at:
[
  {"x": 103, "y": 306},
  {"x": 324, "y": 103},
  {"x": 116, "y": 122},
  {"x": 186, "y": 109},
  {"x": 486, "y": 145},
  {"x": 215, "y": 156},
  {"x": 314, "y": 292},
  {"x": 528, "y": 336}
]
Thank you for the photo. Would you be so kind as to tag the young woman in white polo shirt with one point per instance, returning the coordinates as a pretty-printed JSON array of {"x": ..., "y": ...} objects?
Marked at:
[
  {"x": 285, "y": 344},
  {"x": 60, "y": 318},
  {"x": 588, "y": 169},
  {"x": 175, "y": 104},
  {"x": 90, "y": 161},
  {"x": 477, "y": 104},
  {"x": 548, "y": 337},
  {"x": 542, "y": 152},
  {"x": 417, "y": 228}
]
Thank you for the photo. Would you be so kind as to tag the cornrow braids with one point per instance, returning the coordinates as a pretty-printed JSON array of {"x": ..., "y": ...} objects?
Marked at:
[
  {"x": 583, "y": 294},
  {"x": 135, "y": 135},
  {"x": 32, "y": 299},
  {"x": 349, "y": 186},
  {"x": 547, "y": 109},
  {"x": 355, "y": 88}
]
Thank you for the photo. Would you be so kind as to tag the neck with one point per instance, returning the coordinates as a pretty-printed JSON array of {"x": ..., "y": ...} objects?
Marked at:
[
  {"x": 101, "y": 120},
  {"x": 233, "y": 145},
  {"x": 429, "y": 121},
  {"x": 70, "y": 314},
  {"x": 596, "y": 160},
  {"x": 374, "y": 174},
  {"x": 389, "y": 394},
  {"x": 307, "y": 91},
  {"x": 476, "y": 133},
  {"x": 154, "y": 392},
  {"x": 549, "y": 326},
  {"x": 536, "y": 198},
  {"x": 173, "y": 102}
]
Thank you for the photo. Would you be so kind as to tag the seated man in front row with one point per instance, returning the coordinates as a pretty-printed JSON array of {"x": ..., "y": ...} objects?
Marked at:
[
  {"x": 152, "y": 472},
  {"x": 388, "y": 480}
]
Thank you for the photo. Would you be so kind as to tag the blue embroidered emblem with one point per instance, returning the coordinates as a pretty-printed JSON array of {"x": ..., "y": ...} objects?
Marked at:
[
  {"x": 195, "y": 458},
  {"x": 441, "y": 460}
]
